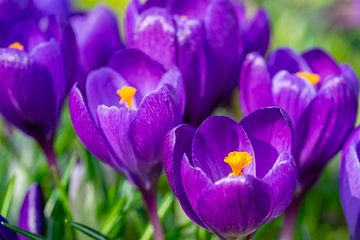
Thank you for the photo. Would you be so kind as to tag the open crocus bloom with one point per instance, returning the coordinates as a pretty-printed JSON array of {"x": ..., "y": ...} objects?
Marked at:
[
  {"x": 37, "y": 67},
  {"x": 232, "y": 177},
  {"x": 350, "y": 182},
  {"x": 319, "y": 95},
  {"x": 124, "y": 112},
  {"x": 206, "y": 40}
]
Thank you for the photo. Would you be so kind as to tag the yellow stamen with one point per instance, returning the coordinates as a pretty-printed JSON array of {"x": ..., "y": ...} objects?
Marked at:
[
  {"x": 311, "y": 77},
  {"x": 16, "y": 45},
  {"x": 127, "y": 94},
  {"x": 238, "y": 161}
]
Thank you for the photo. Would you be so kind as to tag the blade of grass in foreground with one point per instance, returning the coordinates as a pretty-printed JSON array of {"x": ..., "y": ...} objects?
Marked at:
[
  {"x": 87, "y": 230},
  {"x": 28, "y": 235},
  {"x": 8, "y": 197}
]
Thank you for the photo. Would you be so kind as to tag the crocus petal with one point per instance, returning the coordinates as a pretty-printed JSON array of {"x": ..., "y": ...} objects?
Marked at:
[
  {"x": 326, "y": 123},
  {"x": 85, "y": 126},
  {"x": 57, "y": 7},
  {"x": 189, "y": 8},
  {"x": 321, "y": 63},
  {"x": 101, "y": 88},
  {"x": 115, "y": 124},
  {"x": 269, "y": 131},
  {"x": 282, "y": 179},
  {"x": 257, "y": 35},
  {"x": 138, "y": 69},
  {"x": 350, "y": 183},
  {"x": 350, "y": 75},
  {"x": 195, "y": 183},
  {"x": 28, "y": 99},
  {"x": 177, "y": 143},
  {"x": 49, "y": 54},
  {"x": 159, "y": 112},
  {"x": 98, "y": 37},
  {"x": 5, "y": 233},
  {"x": 214, "y": 140},
  {"x": 193, "y": 66},
  {"x": 174, "y": 78},
  {"x": 32, "y": 211},
  {"x": 11, "y": 10},
  {"x": 286, "y": 59},
  {"x": 292, "y": 93},
  {"x": 254, "y": 84},
  {"x": 235, "y": 206},
  {"x": 130, "y": 18},
  {"x": 222, "y": 32},
  {"x": 155, "y": 34}
]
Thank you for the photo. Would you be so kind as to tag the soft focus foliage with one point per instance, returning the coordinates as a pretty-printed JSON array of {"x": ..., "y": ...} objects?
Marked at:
[{"x": 98, "y": 197}]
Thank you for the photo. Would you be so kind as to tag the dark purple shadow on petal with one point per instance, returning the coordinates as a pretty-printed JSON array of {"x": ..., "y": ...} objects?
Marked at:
[
  {"x": 321, "y": 63},
  {"x": 189, "y": 8},
  {"x": 286, "y": 59},
  {"x": 5, "y": 233},
  {"x": 32, "y": 211},
  {"x": 257, "y": 35},
  {"x": 254, "y": 84},
  {"x": 235, "y": 206},
  {"x": 350, "y": 75},
  {"x": 138, "y": 69},
  {"x": 270, "y": 132},
  {"x": 213, "y": 141},
  {"x": 350, "y": 183},
  {"x": 292, "y": 93}
]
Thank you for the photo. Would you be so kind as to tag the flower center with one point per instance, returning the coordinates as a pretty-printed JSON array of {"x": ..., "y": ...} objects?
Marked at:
[
  {"x": 16, "y": 45},
  {"x": 311, "y": 77},
  {"x": 127, "y": 94},
  {"x": 238, "y": 161}
]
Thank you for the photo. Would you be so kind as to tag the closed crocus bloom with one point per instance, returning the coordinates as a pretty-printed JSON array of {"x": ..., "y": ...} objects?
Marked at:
[
  {"x": 31, "y": 216},
  {"x": 230, "y": 177},
  {"x": 320, "y": 97},
  {"x": 204, "y": 39},
  {"x": 350, "y": 182},
  {"x": 37, "y": 69},
  {"x": 123, "y": 114},
  {"x": 5, "y": 233},
  {"x": 98, "y": 37}
]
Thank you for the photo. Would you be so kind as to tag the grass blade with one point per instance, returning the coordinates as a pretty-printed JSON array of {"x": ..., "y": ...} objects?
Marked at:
[
  {"x": 87, "y": 230},
  {"x": 28, "y": 235}
]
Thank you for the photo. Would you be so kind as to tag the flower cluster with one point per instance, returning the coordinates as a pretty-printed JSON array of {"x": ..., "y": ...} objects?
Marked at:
[{"x": 144, "y": 102}]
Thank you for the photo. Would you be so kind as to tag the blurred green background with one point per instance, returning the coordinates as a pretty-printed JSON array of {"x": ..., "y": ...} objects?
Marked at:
[{"x": 96, "y": 196}]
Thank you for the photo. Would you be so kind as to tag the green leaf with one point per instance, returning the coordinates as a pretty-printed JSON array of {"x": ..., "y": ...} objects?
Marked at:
[
  {"x": 8, "y": 197},
  {"x": 87, "y": 230},
  {"x": 28, "y": 235}
]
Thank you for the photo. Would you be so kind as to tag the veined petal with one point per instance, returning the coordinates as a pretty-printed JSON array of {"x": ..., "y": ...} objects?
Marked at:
[
  {"x": 270, "y": 133},
  {"x": 254, "y": 84}
]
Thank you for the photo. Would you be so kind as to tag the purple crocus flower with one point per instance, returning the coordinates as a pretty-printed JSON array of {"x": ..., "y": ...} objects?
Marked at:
[
  {"x": 31, "y": 213},
  {"x": 206, "y": 40},
  {"x": 37, "y": 67},
  {"x": 350, "y": 182},
  {"x": 230, "y": 177},
  {"x": 96, "y": 42},
  {"x": 128, "y": 134},
  {"x": 319, "y": 95},
  {"x": 6, "y": 233}
]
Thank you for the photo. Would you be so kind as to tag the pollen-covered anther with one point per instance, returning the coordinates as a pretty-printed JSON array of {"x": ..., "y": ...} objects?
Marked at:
[
  {"x": 311, "y": 77},
  {"x": 127, "y": 94},
  {"x": 16, "y": 45},
  {"x": 238, "y": 161}
]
